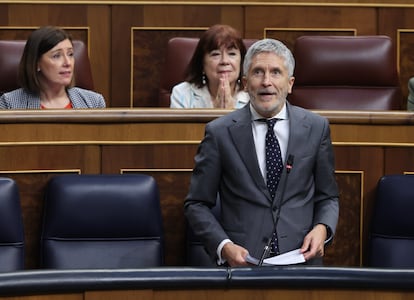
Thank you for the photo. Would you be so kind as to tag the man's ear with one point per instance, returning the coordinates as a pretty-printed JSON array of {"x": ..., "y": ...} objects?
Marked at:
[
  {"x": 291, "y": 81},
  {"x": 244, "y": 80}
]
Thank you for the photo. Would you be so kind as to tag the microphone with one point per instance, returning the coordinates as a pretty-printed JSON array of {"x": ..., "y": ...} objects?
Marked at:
[
  {"x": 265, "y": 253},
  {"x": 289, "y": 166}
]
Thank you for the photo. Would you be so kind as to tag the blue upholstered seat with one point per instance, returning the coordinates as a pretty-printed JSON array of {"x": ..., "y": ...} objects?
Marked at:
[
  {"x": 102, "y": 221},
  {"x": 392, "y": 231},
  {"x": 11, "y": 227}
]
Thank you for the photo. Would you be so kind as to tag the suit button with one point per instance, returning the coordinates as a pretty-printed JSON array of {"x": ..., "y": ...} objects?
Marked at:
[{"x": 274, "y": 208}]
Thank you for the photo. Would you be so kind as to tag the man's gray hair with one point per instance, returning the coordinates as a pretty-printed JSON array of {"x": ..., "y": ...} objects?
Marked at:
[{"x": 272, "y": 46}]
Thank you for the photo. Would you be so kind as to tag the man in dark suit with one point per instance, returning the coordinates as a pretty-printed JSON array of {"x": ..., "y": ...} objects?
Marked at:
[{"x": 231, "y": 164}]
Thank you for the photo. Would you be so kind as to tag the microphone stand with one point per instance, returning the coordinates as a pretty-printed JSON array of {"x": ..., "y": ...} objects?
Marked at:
[{"x": 266, "y": 250}]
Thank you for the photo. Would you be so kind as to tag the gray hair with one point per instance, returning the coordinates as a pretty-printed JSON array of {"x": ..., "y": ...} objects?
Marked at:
[{"x": 273, "y": 46}]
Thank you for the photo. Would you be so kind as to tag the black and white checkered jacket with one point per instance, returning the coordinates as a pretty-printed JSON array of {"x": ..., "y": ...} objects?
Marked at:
[{"x": 80, "y": 98}]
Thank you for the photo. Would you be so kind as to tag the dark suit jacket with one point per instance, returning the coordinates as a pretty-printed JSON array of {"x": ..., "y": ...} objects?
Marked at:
[{"x": 226, "y": 163}]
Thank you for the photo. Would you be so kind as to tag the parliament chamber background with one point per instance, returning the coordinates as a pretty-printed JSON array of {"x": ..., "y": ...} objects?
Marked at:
[{"x": 127, "y": 42}]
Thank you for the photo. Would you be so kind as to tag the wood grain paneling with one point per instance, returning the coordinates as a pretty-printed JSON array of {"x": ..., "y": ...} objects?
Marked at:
[
  {"x": 35, "y": 145},
  {"x": 313, "y": 293},
  {"x": 22, "y": 33},
  {"x": 368, "y": 160},
  {"x": 260, "y": 17},
  {"x": 398, "y": 160},
  {"x": 349, "y": 226},
  {"x": 149, "y": 43},
  {"x": 405, "y": 63},
  {"x": 399, "y": 25},
  {"x": 289, "y": 35}
]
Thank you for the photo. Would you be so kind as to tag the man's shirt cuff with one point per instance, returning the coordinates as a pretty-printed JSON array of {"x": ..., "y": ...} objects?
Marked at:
[{"x": 220, "y": 260}]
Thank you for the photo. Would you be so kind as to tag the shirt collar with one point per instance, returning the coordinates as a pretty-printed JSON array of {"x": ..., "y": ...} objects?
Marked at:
[{"x": 282, "y": 115}]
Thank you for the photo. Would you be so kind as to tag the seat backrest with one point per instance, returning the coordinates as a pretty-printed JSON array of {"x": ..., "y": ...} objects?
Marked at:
[
  {"x": 11, "y": 52},
  {"x": 102, "y": 221},
  {"x": 11, "y": 227},
  {"x": 391, "y": 242},
  {"x": 179, "y": 53},
  {"x": 346, "y": 73},
  {"x": 196, "y": 254}
]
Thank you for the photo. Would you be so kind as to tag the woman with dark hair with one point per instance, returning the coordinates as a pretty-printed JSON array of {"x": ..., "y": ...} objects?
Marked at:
[
  {"x": 213, "y": 76},
  {"x": 46, "y": 75}
]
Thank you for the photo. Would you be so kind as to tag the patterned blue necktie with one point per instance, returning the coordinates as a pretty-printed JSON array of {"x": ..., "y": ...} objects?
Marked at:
[{"x": 274, "y": 167}]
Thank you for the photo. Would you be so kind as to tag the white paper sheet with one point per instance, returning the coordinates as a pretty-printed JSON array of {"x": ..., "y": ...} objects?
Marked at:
[{"x": 288, "y": 258}]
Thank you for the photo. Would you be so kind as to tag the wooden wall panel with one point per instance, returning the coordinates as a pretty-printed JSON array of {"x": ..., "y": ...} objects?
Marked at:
[
  {"x": 22, "y": 33},
  {"x": 257, "y": 293},
  {"x": 123, "y": 19},
  {"x": 347, "y": 243},
  {"x": 147, "y": 44},
  {"x": 312, "y": 293},
  {"x": 324, "y": 18},
  {"x": 4, "y": 16},
  {"x": 35, "y": 145},
  {"x": 101, "y": 53},
  {"x": 368, "y": 161},
  {"x": 405, "y": 46},
  {"x": 399, "y": 25},
  {"x": 289, "y": 35},
  {"x": 399, "y": 160}
]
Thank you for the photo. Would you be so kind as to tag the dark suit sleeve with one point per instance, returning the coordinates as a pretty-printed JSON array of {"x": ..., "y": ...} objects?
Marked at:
[
  {"x": 326, "y": 190},
  {"x": 203, "y": 193}
]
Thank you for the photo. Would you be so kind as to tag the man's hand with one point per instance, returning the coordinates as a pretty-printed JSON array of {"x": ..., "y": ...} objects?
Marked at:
[
  {"x": 314, "y": 242},
  {"x": 235, "y": 255}
]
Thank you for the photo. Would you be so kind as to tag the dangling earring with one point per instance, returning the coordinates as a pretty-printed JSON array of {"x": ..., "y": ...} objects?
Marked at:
[
  {"x": 203, "y": 79},
  {"x": 38, "y": 69}
]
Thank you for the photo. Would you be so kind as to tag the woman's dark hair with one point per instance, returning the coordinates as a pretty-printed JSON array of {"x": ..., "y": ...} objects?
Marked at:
[
  {"x": 39, "y": 42},
  {"x": 214, "y": 38}
]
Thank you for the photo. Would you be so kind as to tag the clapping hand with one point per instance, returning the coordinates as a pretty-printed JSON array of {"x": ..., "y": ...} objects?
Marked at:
[{"x": 224, "y": 97}]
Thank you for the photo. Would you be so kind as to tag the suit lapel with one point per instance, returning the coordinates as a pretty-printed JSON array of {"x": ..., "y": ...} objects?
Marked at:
[
  {"x": 242, "y": 136},
  {"x": 299, "y": 129}
]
